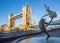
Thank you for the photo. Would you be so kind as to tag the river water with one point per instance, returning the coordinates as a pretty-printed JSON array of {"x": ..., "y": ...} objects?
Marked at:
[
  {"x": 55, "y": 38},
  {"x": 40, "y": 40}
]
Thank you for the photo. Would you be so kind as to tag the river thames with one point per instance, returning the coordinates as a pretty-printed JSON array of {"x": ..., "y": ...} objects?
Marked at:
[{"x": 41, "y": 40}]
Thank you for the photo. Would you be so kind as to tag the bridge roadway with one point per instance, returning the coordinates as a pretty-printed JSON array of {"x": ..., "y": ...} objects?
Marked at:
[{"x": 19, "y": 15}]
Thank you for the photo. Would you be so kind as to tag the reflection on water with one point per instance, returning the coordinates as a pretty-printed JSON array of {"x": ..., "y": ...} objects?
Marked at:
[
  {"x": 26, "y": 41},
  {"x": 41, "y": 40}
]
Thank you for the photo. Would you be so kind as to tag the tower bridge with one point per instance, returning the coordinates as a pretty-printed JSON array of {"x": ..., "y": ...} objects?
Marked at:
[{"x": 26, "y": 15}]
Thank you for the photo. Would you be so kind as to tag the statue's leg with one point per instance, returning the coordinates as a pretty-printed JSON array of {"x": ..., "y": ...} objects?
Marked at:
[{"x": 48, "y": 36}]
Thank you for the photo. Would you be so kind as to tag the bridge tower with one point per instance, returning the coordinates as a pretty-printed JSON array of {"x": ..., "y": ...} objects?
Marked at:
[
  {"x": 26, "y": 18},
  {"x": 11, "y": 22},
  {"x": 26, "y": 15}
]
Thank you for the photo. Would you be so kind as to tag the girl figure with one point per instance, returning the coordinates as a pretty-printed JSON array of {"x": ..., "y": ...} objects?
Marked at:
[{"x": 43, "y": 28}]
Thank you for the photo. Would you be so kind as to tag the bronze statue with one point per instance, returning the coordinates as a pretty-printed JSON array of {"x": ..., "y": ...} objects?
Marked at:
[
  {"x": 42, "y": 22},
  {"x": 43, "y": 28}
]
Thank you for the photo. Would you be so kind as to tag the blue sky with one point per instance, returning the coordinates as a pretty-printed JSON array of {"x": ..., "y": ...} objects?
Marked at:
[{"x": 15, "y": 6}]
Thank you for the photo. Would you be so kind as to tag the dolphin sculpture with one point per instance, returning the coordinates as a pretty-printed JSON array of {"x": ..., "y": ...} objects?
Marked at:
[{"x": 52, "y": 15}]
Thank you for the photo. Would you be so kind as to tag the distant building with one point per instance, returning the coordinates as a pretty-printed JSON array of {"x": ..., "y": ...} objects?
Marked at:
[
  {"x": 5, "y": 28},
  {"x": 54, "y": 26}
]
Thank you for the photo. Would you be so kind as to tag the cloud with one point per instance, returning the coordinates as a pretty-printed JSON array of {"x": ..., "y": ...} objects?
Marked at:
[{"x": 35, "y": 20}]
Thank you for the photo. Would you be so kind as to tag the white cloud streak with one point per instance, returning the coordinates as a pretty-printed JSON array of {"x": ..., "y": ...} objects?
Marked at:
[{"x": 35, "y": 20}]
